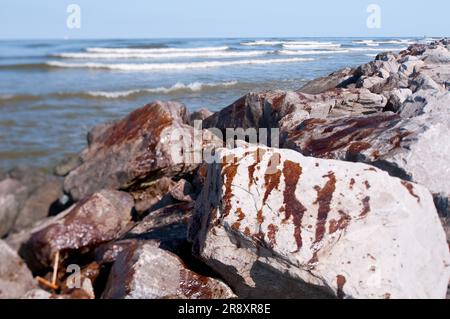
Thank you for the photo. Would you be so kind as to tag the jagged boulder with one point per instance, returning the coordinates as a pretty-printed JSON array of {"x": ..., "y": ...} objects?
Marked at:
[
  {"x": 277, "y": 224},
  {"x": 97, "y": 219},
  {"x": 139, "y": 148},
  {"x": 411, "y": 148}
]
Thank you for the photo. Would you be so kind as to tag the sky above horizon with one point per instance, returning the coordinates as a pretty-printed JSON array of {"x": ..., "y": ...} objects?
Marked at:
[{"x": 44, "y": 19}]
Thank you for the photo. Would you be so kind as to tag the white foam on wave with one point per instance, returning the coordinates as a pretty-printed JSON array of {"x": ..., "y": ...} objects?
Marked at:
[
  {"x": 375, "y": 43},
  {"x": 173, "y": 55},
  {"x": 311, "y": 46},
  {"x": 370, "y": 43},
  {"x": 262, "y": 43},
  {"x": 172, "y": 66},
  {"x": 311, "y": 52},
  {"x": 402, "y": 41},
  {"x": 192, "y": 87},
  {"x": 274, "y": 43},
  {"x": 376, "y": 49},
  {"x": 154, "y": 50}
]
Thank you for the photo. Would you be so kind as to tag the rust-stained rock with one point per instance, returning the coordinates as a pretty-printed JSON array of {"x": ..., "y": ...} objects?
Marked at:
[
  {"x": 15, "y": 278},
  {"x": 303, "y": 227},
  {"x": 155, "y": 193},
  {"x": 144, "y": 271},
  {"x": 136, "y": 149},
  {"x": 97, "y": 219},
  {"x": 285, "y": 109},
  {"x": 341, "y": 78},
  {"x": 411, "y": 148}
]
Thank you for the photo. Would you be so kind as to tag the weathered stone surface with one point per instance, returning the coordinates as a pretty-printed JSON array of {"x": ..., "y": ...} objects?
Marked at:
[
  {"x": 411, "y": 149},
  {"x": 154, "y": 193},
  {"x": 285, "y": 109},
  {"x": 336, "y": 79},
  {"x": 426, "y": 101},
  {"x": 183, "y": 191},
  {"x": 12, "y": 194},
  {"x": 17, "y": 239},
  {"x": 283, "y": 225},
  {"x": 37, "y": 293},
  {"x": 396, "y": 99},
  {"x": 144, "y": 271},
  {"x": 26, "y": 197},
  {"x": 39, "y": 204},
  {"x": 166, "y": 226},
  {"x": 15, "y": 278},
  {"x": 102, "y": 217},
  {"x": 199, "y": 115},
  {"x": 133, "y": 150},
  {"x": 67, "y": 165},
  {"x": 437, "y": 55}
]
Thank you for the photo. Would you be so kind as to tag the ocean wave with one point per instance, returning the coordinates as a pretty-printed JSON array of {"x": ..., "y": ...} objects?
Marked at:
[
  {"x": 376, "y": 43},
  {"x": 262, "y": 43},
  {"x": 279, "y": 42},
  {"x": 206, "y": 54},
  {"x": 157, "y": 50},
  {"x": 311, "y": 45},
  {"x": 177, "y": 88},
  {"x": 311, "y": 52},
  {"x": 376, "y": 49},
  {"x": 404, "y": 41},
  {"x": 370, "y": 43},
  {"x": 172, "y": 66}
]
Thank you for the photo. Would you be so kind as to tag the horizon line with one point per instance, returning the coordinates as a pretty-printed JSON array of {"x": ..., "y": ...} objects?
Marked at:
[{"x": 206, "y": 38}]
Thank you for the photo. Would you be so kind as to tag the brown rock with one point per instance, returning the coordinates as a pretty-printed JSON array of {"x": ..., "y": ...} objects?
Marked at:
[
  {"x": 340, "y": 78},
  {"x": 102, "y": 217},
  {"x": 144, "y": 271},
  {"x": 133, "y": 150},
  {"x": 199, "y": 115},
  {"x": 154, "y": 193}
]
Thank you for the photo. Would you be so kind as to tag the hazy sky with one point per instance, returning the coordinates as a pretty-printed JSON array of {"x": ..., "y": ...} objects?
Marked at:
[{"x": 212, "y": 18}]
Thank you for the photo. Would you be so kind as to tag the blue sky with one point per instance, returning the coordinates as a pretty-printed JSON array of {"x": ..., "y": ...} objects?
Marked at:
[{"x": 210, "y": 18}]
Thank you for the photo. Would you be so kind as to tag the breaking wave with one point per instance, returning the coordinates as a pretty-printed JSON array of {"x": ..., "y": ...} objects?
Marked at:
[
  {"x": 172, "y": 66},
  {"x": 177, "y": 88},
  {"x": 170, "y": 55},
  {"x": 158, "y": 50}
]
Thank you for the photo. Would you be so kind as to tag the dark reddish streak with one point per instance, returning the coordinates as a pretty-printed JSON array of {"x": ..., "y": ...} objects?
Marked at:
[
  {"x": 293, "y": 208},
  {"x": 366, "y": 206},
  {"x": 324, "y": 197},
  {"x": 410, "y": 189}
]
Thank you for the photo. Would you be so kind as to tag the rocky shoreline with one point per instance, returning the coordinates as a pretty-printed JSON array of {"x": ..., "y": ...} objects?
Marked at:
[{"x": 354, "y": 203}]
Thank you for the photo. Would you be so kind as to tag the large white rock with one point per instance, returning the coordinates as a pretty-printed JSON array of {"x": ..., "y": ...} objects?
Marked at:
[
  {"x": 274, "y": 224},
  {"x": 426, "y": 101}
]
